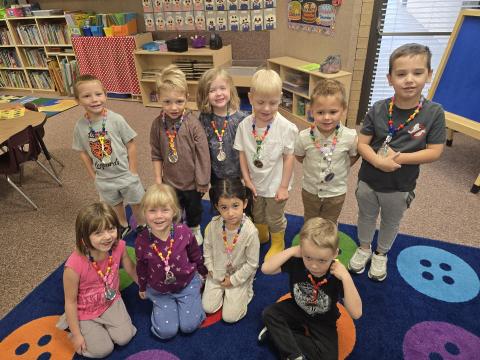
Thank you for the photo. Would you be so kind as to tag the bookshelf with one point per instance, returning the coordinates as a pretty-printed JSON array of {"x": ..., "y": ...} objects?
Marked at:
[
  {"x": 36, "y": 54},
  {"x": 193, "y": 62},
  {"x": 298, "y": 85}
]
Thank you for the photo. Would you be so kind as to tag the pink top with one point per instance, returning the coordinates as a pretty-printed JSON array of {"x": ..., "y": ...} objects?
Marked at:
[{"x": 91, "y": 301}]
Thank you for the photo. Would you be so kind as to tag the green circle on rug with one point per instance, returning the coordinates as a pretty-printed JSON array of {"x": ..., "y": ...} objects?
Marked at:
[
  {"x": 125, "y": 279},
  {"x": 347, "y": 246}
]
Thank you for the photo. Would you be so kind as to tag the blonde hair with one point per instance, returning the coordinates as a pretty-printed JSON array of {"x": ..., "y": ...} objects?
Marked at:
[
  {"x": 329, "y": 87},
  {"x": 161, "y": 195},
  {"x": 98, "y": 216},
  {"x": 172, "y": 79},
  {"x": 266, "y": 82},
  {"x": 204, "y": 84},
  {"x": 84, "y": 79},
  {"x": 321, "y": 232}
]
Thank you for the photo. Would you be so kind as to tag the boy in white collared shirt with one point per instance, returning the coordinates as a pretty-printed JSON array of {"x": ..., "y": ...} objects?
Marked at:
[
  {"x": 327, "y": 150},
  {"x": 265, "y": 141}
]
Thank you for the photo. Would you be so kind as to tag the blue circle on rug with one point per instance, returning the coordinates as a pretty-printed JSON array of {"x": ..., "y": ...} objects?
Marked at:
[
  {"x": 152, "y": 355},
  {"x": 439, "y": 340},
  {"x": 438, "y": 274}
]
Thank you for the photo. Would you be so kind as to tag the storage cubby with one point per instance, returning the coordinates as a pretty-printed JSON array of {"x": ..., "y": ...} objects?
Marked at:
[
  {"x": 193, "y": 62},
  {"x": 298, "y": 85}
]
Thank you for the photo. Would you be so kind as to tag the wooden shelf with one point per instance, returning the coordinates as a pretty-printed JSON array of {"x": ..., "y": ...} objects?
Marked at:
[
  {"x": 147, "y": 60},
  {"x": 291, "y": 73},
  {"x": 36, "y": 68},
  {"x": 11, "y": 68},
  {"x": 7, "y": 46}
]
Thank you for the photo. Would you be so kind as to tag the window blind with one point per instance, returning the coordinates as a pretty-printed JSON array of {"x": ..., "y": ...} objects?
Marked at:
[{"x": 428, "y": 22}]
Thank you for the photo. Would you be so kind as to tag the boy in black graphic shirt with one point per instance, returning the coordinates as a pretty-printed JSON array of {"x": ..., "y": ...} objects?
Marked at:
[{"x": 317, "y": 282}]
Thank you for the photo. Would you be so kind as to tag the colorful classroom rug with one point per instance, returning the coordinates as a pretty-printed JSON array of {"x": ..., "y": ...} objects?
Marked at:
[
  {"x": 48, "y": 106},
  {"x": 427, "y": 308}
]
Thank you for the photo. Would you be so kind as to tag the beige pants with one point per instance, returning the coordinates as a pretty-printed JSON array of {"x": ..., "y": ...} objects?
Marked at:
[
  {"x": 113, "y": 326},
  {"x": 326, "y": 208},
  {"x": 234, "y": 300},
  {"x": 270, "y": 212}
]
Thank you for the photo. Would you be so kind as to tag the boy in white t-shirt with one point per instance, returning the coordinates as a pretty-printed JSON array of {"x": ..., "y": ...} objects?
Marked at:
[{"x": 265, "y": 141}]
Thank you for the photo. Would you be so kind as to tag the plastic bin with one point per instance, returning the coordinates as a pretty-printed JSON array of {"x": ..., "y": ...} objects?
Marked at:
[
  {"x": 97, "y": 30},
  {"x": 108, "y": 31},
  {"x": 130, "y": 28}
]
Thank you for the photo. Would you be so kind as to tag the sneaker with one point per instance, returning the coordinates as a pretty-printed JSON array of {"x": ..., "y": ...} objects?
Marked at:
[
  {"x": 262, "y": 335},
  {"x": 378, "y": 267},
  {"x": 124, "y": 231},
  {"x": 197, "y": 232},
  {"x": 359, "y": 260}
]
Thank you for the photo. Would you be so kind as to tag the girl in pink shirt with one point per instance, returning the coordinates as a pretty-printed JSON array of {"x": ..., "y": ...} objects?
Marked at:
[{"x": 94, "y": 309}]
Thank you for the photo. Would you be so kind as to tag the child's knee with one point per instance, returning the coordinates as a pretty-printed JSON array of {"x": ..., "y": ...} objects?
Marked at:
[
  {"x": 232, "y": 316},
  {"x": 189, "y": 325},
  {"x": 164, "y": 332},
  {"x": 122, "y": 335}
]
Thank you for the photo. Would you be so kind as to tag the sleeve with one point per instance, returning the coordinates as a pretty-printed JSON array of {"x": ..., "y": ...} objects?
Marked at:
[
  {"x": 299, "y": 147},
  {"x": 155, "y": 148},
  {"x": 289, "y": 139},
  {"x": 77, "y": 139},
  {"x": 368, "y": 127},
  {"x": 250, "y": 265},
  {"x": 202, "y": 154},
  {"x": 238, "y": 144},
  {"x": 208, "y": 248},
  {"x": 437, "y": 133},
  {"x": 125, "y": 132},
  {"x": 74, "y": 262},
  {"x": 195, "y": 254},
  {"x": 142, "y": 263}
]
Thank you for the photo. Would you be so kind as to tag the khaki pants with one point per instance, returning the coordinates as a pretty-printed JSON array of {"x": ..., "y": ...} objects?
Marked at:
[
  {"x": 326, "y": 208},
  {"x": 113, "y": 326},
  {"x": 270, "y": 212}
]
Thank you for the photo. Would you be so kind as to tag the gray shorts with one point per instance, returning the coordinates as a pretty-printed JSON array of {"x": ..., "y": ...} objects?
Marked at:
[{"x": 127, "y": 190}]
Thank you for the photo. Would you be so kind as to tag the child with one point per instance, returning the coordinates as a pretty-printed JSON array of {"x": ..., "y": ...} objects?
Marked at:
[
  {"x": 398, "y": 135},
  {"x": 315, "y": 293},
  {"x": 107, "y": 148},
  {"x": 231, "y": 251},
  {"x": 168, "y": 262},
  {"x": 218, "y": 101},
  {"x": 327, "y": 150},
  {"x": 266, "y": 141},
  {"x": 179, "y": 147},
  {"x": 94, "y": 309}
]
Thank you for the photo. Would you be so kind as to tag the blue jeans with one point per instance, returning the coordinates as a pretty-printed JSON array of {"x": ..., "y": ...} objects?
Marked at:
[{"x": 178, "y": 310}]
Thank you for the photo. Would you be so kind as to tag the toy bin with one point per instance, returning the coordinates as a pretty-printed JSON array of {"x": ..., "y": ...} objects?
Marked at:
[
  {"x": 130, "y": 28},
  {"x": 108, "y": 31},
  {"x": 97, "y": 30},
  {"x": 14, "y": 12}
]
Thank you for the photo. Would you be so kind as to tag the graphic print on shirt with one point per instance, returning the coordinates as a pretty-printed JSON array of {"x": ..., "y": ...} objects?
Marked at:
[
  {"x": 93, "y": 299},
  {"x": 303, "y": 295},
  {"x": 417, "y": 131},
  {"x": 96, "y": 146}
]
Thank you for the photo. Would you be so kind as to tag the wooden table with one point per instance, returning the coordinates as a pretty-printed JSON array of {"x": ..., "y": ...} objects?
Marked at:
[{"x": 9, "y": 127}]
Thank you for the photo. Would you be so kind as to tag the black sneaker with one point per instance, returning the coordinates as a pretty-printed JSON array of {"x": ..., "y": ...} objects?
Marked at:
[
  {"x": 262, "y": 336},
  {"x": 124, "y": 231}
]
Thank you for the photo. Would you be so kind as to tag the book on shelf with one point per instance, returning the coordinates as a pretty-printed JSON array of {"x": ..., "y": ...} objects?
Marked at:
[
  {"x": 5, "y": 37},
  {"x": 35, "y": 57},
  {"x": 56, "y": 75},
  {"x": 15, "y": 79},
  {"x": 54, "y": 33},
  {"x": 41, "y": 80},
  {"x": 70, "y": 72},
  {"x": 9, "y": 58},
  {"x": 29, "y": 34}
]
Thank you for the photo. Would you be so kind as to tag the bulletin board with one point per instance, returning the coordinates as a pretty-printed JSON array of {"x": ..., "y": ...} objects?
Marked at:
[{"x": 455, "y": 85}]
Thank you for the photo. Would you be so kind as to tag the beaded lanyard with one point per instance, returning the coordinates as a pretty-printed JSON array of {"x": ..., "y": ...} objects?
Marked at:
[
  {"x": 229, "y": 248},
  {"x": 172, "y": 153},
  {"x": 391, "y": 128},
  {"x": 259, "y": 140},
  {"x": 326, "y": 151},
  {"x": 221, "y": 156},
  {"x": 101, "y": 137},
  {"x": 169, "y": 277},
  {"x": 316, "y": 286},
  {"x": 109, "y": 292}
]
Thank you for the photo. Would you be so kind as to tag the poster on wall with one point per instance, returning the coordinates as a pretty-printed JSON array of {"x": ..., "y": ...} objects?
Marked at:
[{"x": 313, "y": 15}]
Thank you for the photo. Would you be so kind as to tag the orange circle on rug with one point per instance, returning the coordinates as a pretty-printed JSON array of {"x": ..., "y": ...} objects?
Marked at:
[
  {"x": 345, "y": 328},
  {"x": 37, "y": 340},
  {"x": 212, "y": 319}
]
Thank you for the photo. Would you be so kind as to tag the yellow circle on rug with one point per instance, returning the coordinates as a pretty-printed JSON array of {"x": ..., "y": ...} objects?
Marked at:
[
  {"x": 345, "y": 329},
  {"x": 38, "y": 339}
]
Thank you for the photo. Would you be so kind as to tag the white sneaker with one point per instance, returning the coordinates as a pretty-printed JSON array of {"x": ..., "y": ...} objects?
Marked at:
[
  {"x": 197, "y": 232},
  {"x": 262, "y": 335},
  {"x": 378, "y": 267},
  {"x": 359, "y": 260}
]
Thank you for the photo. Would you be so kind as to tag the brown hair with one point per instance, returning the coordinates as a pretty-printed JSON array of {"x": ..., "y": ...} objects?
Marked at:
[
  {"x": 161, "y": 195},
  {"x": 321, "y": 232},
  {"x": 330, "y": 87},
  {"x": 411, "y": 49},
  {"x": 204, "y": 84},
  {"x": 172, "y": 79},
  {"x": 91, "y": 218},
  {"x": 83, "y": 79}
]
